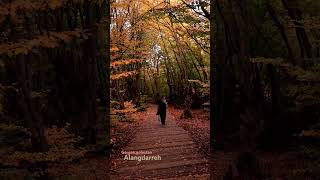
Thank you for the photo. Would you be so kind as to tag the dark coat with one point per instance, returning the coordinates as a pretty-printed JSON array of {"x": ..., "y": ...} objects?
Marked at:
[{"x": 162, "y": 111}]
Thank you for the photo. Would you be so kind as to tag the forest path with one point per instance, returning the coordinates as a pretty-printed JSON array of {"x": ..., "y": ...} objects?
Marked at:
[{"x": 179, "y": 155}]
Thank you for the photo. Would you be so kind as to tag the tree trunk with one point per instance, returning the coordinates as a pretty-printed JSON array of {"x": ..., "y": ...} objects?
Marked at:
[
  {"x": 281, "y": 29},
  {"x": 233, "y": 94},
  {"x": 296, "y": 15},
  {"x": 33, "y": 118}
]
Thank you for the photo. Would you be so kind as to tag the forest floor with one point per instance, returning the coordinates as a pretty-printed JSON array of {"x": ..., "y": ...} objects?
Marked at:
[
  {"x": 181, "y": 157},
  {"x": 17, "y": 163},
  {"x": 141, "y": 130},
  {"x": 295, "y": 160},
  {"x": 198, "y": 127}
]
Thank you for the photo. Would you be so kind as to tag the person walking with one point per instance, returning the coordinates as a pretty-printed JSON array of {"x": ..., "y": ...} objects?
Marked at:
[{"x": 162, "y": 109}]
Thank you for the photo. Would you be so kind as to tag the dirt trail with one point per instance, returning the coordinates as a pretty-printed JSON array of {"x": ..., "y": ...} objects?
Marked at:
[{"x": 180, "y": 158}]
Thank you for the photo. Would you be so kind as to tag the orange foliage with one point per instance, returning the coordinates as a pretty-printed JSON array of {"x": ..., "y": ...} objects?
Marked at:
[
  {"x": 50, "y": 40},
  {"x": 18, "y": 6},
  {"x": 61, "y": 144},
  {"x": 129, "y": 108},
  {"x": 125, "y": 62},
  {"x": 123, "y": 75},
  {"x": 310, "y": 133},
  {"x": 114, "y": 49}
]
